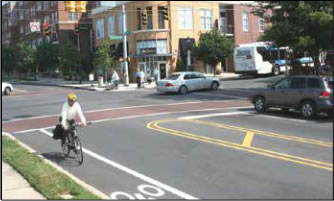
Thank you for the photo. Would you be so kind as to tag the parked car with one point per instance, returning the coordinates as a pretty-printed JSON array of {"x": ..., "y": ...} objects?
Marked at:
[
  {"x": 7, "y": 88},
  {"x": 183, "y": 82},
  {"x": 309, "y": 94}
]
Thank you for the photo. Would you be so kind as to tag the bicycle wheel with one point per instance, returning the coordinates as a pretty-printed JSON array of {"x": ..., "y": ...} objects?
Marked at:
[
  {"x": 65, "y": 146},
  {"x": 78, "y": 150}
]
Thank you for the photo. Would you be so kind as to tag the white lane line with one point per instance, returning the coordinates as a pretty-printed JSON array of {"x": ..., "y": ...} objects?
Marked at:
[
  {"x": 133, "y": 172},
  {"x": 222, "y": 95},
  {"x": 214, "y": 115},
  {"x": 117, "y": 108},
  {"x": 281, "y": 118},
  {"x": 138, "y": 116},
  {"x": 241, "y": 90}
]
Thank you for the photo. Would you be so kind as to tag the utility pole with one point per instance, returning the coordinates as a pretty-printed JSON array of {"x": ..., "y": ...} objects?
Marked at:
[{"x": 125, "y": 55}]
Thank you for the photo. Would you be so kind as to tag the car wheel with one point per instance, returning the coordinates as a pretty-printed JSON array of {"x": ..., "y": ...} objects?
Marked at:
[
  {"x": 183, "y": 90},
  {"x": 8, "y": 91},
  {"x": 276, "y": 70},
  {"x": 259, "y": 104},
  {"x": 308, "y": 109},
  {"x": 214, "y": 86}
]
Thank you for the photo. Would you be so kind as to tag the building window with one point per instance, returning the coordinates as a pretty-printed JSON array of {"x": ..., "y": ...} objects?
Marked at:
[
  {"x": 100, "y": 28},
  {"x": 72, "y": 16},
  {"x": 139, "y": 19},
  {"x": 28, "y": 28},
  {"x": 46, "y": 4},
  {"x": 149, "y": 18},
  {"x": 261, "y": 25},
  {"x": 47, "y": 19},
  {"x": 52, "y": 18},
  {"x": 111, "y": 25},
  {"x": 22, "y": 29},
  {"x": 34, "y": 11},
  {"x": 56, "y": 18},
  {"x": 89, "y": 14},
  {"x": 161, "y": 17},
  {"x": 120, "y": 23},
  {"x": 206, "y": 19},
  {"x": 245, "y": 21},
  {"x": 39, "y": 5},
  {"x": 21, "y": 13},
  {"x": 185, "y": 18},
  {"x": 209, "y": 69}
]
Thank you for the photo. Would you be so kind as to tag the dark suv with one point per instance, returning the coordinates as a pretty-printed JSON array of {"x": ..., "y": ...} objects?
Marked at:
[{"x": 308, "y": 93}]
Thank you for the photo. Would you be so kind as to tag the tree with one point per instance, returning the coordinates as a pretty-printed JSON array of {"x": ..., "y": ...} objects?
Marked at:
[
  {"x": 103, "y": 60},
  {"x": 46, "y": 57},
  {"x": 70, "y": 61},
  {"x": 213, "y": 47},
  {"x": 305, "y": 26},
  {"x": 26, "y": 59},
  {"x": 9, "y": 60}
]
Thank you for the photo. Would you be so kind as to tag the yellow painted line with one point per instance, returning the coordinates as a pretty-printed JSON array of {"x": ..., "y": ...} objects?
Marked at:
[
  {"x": 264, "y": 133},
  {"x": 270, "y": 134},
  {"x": 269, "y": 153},
  {"x": 248, "y": 139}
]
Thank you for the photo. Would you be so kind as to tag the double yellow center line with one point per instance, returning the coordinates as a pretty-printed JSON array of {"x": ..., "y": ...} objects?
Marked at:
[{"x": 246, "y": 145}]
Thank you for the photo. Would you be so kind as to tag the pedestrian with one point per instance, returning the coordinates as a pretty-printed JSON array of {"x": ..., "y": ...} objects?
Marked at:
[
  {"x": 138, "y": 78},
  {"x": 155, "y": 74},
  {"x": 142, "y": 76},
  {"x": 115, "y": 78}
]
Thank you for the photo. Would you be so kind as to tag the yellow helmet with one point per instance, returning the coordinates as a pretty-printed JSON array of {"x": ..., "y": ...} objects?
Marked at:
[{"x": 72, "y": 96}]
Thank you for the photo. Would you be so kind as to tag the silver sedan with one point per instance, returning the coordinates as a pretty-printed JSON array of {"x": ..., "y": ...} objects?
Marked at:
[{"x": 183, "y": 82}]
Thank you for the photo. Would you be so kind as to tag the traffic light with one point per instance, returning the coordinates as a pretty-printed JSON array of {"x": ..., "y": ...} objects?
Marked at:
[
  {"x": 76, "y": 27},
  {"x": 165, "y": 12},
  {"x": 144, "y": 18},
  {"x": 128, "y": 59},
  {"x": 70, "y": 6},
  {"x": 46, "y": 29},
  {"x": 81, "y": 6}
]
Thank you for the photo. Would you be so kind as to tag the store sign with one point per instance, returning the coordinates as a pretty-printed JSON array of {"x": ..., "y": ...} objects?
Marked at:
[{"x": 147, "y": 51}]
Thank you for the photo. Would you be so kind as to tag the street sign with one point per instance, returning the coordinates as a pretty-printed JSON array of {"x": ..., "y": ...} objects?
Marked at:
[
  {"x": 128, "y": 32},
  {"x": 116, "y": 37}
]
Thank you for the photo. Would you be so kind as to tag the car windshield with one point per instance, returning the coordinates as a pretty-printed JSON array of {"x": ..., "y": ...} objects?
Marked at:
[{"x": 174, "y": 77}]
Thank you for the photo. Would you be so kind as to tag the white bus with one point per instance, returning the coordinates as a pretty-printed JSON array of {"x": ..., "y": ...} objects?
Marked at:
[{"x": 260, "y": 58}]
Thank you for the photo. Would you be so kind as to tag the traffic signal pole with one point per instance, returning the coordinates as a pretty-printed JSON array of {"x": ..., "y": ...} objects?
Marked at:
[{"x": 125, "y": 55}]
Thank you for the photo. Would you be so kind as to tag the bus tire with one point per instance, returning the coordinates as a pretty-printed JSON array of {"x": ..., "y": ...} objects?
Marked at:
[{"x": 276, "y": 70}]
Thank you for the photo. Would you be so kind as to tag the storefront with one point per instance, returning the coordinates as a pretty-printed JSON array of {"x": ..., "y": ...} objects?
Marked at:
[{"x": 152, "y": 57}]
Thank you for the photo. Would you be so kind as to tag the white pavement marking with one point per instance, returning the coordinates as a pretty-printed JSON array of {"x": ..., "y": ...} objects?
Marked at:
[
  {"x": 281, "y": 118},
  {"x": 214, "y": 115},
  {"x": 133, "y": 172},
  {"x": 221, "y": 95},
  {"x": 241, "y": 90},
  {"x": 60, "y": 169},
  {"x": 138, "y": 116},
  {"x": 117, "y": 108}
]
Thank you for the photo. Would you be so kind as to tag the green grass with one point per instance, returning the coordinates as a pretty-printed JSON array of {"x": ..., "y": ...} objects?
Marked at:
[{"x": 42, "y": 177}]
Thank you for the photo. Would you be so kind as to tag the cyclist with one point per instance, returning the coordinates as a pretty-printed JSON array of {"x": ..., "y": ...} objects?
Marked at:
[{"x": 71, "y": 109}]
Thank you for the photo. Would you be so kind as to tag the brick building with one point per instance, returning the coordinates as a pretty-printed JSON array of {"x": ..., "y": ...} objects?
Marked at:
[
  {"x": 18, "y": 15},
  {"x": 161, "y": 43}
]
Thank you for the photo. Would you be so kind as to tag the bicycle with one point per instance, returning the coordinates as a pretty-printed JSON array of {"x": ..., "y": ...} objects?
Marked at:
[{"x": 71, "y": 141}]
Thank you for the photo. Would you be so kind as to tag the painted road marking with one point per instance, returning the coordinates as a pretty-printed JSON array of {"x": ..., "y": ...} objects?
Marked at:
[
  {"x": 220, "y": 95},
  {"x": 138, "y": 116},
  {"x": 248, "y": 139},
  {"x": 143, "y": 189},
  {"x": 214, "y": 115},
  {"x": 133, "y": 172},
  {"x": 296, "y": 159}
]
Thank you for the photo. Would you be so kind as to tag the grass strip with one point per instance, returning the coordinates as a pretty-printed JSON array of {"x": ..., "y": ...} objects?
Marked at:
[{"x": 42, "y": 177}]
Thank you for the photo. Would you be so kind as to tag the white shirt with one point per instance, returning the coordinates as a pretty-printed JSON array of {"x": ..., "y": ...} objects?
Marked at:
[
  {"x": 115, "y": 76},
  {"x": 69, "y": 113}
]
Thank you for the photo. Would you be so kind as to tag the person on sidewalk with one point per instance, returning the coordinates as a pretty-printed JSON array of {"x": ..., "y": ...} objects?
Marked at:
[
  {"x": 115, "y": 78},
  {"x": 142, "y": 78},
  {"x": 155, "y": 74},
  {"x": 138, "y": 78}
]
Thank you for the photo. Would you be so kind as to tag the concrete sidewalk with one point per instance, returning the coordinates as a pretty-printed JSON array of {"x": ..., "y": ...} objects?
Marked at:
[{"x": 14, "y": 186}]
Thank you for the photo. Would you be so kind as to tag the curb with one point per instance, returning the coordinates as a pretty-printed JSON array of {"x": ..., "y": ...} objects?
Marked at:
[{"x": 60, "y": 169}]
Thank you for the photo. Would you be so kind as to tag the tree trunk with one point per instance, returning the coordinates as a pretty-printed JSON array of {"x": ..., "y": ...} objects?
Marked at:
[{"x": 316, "y": 64}]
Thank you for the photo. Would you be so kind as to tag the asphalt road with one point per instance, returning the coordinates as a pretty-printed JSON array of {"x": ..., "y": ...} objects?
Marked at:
[{"x": 212, "y": 147}]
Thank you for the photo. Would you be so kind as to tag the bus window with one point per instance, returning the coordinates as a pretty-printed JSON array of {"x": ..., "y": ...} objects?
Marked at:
[
  {"x": 282, "y": 54},
  {"x": 241, "y": 53},
  {"x": 264, "y": 53}
]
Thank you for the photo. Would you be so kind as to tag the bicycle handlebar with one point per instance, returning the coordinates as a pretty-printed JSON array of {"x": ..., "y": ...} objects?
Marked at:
[{"x": 80, "y": 125}]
